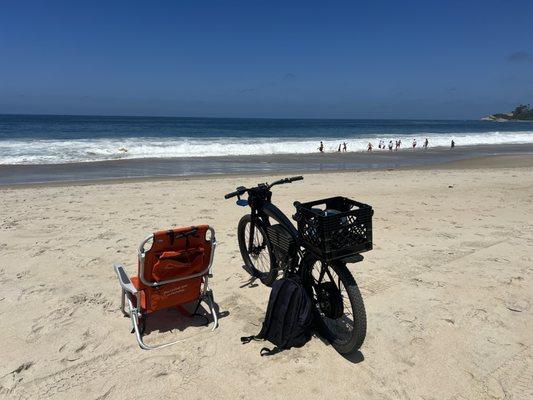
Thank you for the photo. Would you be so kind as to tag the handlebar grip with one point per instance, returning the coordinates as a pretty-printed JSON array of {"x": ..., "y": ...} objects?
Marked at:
[
  {"x": 297, "y": 204},
  {"x": 239, "y": 192},
  {"x": 296, "y": 178},
  {"x": 230, "y": 195}
]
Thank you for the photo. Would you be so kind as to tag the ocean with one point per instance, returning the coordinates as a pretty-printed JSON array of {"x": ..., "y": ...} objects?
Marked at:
[{"x": 44, "y": 139}]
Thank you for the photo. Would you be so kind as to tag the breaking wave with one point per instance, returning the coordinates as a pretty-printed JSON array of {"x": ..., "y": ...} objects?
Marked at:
[{"x": 26, "y": 151}]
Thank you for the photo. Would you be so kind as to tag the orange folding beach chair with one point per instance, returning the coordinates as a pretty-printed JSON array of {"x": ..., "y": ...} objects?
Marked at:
[{"x": 175, "y": 270}]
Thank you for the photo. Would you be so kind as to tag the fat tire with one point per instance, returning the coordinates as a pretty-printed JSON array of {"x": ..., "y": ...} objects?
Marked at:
[
  {"x": 267, "y": 278},
  {"x": 358, "y": 309}
]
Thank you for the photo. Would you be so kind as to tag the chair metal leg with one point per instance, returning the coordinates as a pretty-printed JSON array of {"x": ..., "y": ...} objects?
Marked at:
[
  {"x": 138, "y": 334},
  {"x": 195, "y": 312},
  {"x": 210, "y": 303}
]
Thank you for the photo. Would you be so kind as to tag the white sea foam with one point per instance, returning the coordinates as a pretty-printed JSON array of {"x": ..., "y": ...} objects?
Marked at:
[{"x": 64, "y": 151}]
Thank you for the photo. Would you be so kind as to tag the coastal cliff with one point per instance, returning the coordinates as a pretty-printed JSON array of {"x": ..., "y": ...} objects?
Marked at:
[{"x": 520, "y": 113}]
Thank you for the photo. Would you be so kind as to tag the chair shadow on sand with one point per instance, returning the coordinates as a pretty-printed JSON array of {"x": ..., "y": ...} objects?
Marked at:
[{"x": 181, "y": 318}]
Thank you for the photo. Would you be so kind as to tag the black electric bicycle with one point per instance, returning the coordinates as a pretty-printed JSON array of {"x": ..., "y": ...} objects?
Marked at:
[{"x": 331, "y": 233}]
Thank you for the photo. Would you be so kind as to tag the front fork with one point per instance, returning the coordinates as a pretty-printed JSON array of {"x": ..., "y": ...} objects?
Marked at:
[
  {"x": 253, "y": 222},
  {"x": 252, "y": 232}
]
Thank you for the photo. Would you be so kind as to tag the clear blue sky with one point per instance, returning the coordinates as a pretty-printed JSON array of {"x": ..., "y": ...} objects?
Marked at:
[{"x": 383, "y": 59}]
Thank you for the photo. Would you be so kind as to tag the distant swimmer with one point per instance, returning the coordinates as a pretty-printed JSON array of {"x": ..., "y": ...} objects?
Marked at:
[
  {"x": 123, "y": 150},
  {"x": 321, "y": 147},
  {"x": 398, "y": 144},
  {"x": 426, "y": 143},
  {"x": 344, "y": 146},
  {"x": 390, "y": 145},
  {"x": 369, "y": 148},
  {"x": 339, "y": 150},
  {"x": 452, "y": 145},
  {"x": 414, "y": 143}
]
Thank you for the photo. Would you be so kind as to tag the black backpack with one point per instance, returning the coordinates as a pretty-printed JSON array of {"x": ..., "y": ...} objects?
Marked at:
[{"x": 289, "y": 317}]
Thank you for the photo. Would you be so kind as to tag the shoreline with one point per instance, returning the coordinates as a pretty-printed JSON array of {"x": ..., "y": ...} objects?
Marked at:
[{"x": 162, "y": 169}]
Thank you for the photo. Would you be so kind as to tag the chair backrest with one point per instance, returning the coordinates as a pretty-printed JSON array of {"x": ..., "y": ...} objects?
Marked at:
[{"x": 176, "y": 253}]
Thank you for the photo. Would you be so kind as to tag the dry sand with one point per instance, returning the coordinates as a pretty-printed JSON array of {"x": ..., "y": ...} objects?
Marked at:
[{"x": 447, "y": 290}]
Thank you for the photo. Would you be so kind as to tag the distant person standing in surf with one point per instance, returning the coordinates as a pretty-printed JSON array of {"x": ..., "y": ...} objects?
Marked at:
[
  {"x": 398, "y": 144},
  {"x": 321, "y": 147}
]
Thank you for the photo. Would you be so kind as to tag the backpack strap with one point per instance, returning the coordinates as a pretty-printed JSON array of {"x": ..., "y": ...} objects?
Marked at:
[
  {"x": 286, "y": 317},
  {"x": 268, "y": 317},
  {"x": 266, "y": 322},
  {"x": 295, "y": 311},
  {"x": 248, "y": 339},
  {"x": 265, "y": 351}
]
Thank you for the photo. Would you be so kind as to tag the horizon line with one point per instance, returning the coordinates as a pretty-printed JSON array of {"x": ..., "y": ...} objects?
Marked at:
[{"x": 250, "y": 118}]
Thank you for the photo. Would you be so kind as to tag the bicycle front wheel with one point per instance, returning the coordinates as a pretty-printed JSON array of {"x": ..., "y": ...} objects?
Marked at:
[
  {"x": 338, "y": 304},
  {"x": 257, "y": 252}
]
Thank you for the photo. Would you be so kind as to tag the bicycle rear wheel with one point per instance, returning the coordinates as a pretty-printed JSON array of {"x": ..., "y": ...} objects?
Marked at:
[
  {"x": 338, "y": 304},
  {"x": 258, "y": 257}
]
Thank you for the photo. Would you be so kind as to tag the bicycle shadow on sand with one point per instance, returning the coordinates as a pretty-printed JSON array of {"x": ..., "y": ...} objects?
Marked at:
[{"x": 355, "y": 357}]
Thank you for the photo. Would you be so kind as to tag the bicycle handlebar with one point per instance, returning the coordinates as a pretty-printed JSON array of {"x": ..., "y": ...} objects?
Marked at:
[
  {"x": 286, "y": 180},
  {"x": 241, "y": 190}
]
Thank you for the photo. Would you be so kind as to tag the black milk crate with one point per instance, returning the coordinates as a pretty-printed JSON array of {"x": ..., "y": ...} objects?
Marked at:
[{"x": 345, "y": 230}]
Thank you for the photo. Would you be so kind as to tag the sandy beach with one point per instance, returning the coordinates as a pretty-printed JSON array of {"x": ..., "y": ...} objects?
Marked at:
[{"x": 447, "y": 290}]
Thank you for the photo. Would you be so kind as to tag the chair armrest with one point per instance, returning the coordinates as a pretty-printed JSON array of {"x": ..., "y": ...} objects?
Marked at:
[{"x": 124, "y": 279}]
